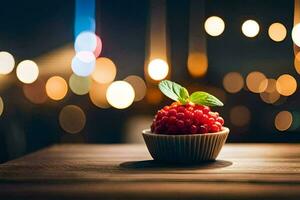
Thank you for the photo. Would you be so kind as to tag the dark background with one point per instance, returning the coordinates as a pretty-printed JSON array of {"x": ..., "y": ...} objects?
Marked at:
[{"x": 30, "y": 28}]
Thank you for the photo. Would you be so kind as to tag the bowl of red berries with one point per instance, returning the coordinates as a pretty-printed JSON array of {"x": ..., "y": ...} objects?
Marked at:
[{"x": 187, "y": 131}]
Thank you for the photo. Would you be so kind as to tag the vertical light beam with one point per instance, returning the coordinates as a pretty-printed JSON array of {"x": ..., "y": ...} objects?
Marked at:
[
  {"x": 84, "y": 16},
  {"x": 197, "y": 58},
  {"x": 157, "y": 67}
]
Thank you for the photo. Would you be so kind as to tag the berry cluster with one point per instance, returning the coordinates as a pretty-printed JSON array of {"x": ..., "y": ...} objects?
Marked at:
[{"x": 186, "y": 119}]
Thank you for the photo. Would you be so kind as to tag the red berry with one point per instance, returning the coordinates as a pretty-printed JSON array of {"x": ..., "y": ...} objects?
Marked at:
[
  {"x": 188, "y": 114},
  {"x": 160, "y": 114},
  {"x": 180, "y": 116},
  {"x": 198, "y": 114},
  {"x": 203, "y": 129},
  {"x": 193, "y": 129},
  {"x": 172, "y": 112},
  {"x": 206, "y": 110},
  {"x": 199, "y": 107},
  {"x": 172, "y": 120},
  {"x": 211, "y": 120},
  {"x": 221, "y": 120},
  {"x": 188, "y": 122},
  {"x": 186, "y": 119},
  {"x": 166, "y": 108},
  {"x": 175, "y": 104},
  {"x": 180, "y": 124},
  {"x": 180, "y": 109},
  {"x": 204, "y": 119},
  {"x": 212, "y": 114},
  {"x": 214, "y": 128},
  {"x": 219, "y": 125},
  {"x": 164, "y": 120},
  {"x": 190, "y": 109}
]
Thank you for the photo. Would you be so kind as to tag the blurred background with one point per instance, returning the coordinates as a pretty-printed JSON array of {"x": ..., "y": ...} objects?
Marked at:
[{"x": 86, "y": 71}]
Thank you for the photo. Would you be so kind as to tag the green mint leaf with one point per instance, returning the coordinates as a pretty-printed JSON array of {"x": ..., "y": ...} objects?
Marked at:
[
  {"x": 204, "y": 98},
  {"x": 173, "y": 91},
  {"x": 183, "y": 101},
  {"x": 184, "y": 94}
]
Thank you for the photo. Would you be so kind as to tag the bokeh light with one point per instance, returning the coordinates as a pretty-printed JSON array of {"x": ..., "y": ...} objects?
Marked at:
[
  {"x": 83, "y": 63},
  {"x": 269, "y": 94},
  {"x": 7, "y": 62},
  {"x": 286, "y": 85},
  {"x": 72, "y": 119},
  {"x": 56, "y": 88},
  {"x": 27, "y": 71},
  {"x": 120, "y": 94},
  {"x": 256, "y": 82},
  {"x": 105, "y": 70},
  {"x": 268, "y": 85},
  {"x": 36, "y": 92},
  {"x": 240, "y": 115},
  {"x": 250, "y": 28},
  {"x": 153, "y": 96},
  {"x": 85, "y": 41},
  {"x": 80, "y": 85},
  {"x": 197, "y": 64},
  {"x": 97, "y": 95},
  {"x": 297, "y": 62},
  {"x": 158, "y": 69},
  {"x": 233, "y": 82},
  {"x": 270, "y": 97},
  {"x": 296, "y": 34},
  {"x": 283, "y": 120},
  {"x": 138, "y": 85},
  {"x": 98, "y": 49},
  {"x": 214, "y": 26},
  {"x": 1, "y": 106},
  {"x": 277, "y": 32}
]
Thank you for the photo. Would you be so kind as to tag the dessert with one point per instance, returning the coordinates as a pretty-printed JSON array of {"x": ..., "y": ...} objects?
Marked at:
[{"x": 187, "y": 130}]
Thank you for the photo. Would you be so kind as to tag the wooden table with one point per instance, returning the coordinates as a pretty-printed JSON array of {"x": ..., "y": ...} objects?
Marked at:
[{"x": 243, "y": 171}]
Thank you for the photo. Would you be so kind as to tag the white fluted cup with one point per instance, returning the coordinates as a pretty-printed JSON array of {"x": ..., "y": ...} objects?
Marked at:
[{"x": 187, "y": 148}]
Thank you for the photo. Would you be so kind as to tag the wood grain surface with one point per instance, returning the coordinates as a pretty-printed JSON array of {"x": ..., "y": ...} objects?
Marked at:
[{"x": 242, "y": 171}]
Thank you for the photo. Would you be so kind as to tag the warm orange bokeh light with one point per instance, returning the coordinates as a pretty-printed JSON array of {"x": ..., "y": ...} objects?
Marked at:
[
  {"x": 270, "y": 97},
  {"x": 270, "y": 94},
  {"x": 153, "y": 96},
  {"x": 56, "y": 88},
  {"x": 286, "y": 85},
  {"x": 254, "y": 82},
  {"x": 197, "y": 64},
  {"x": 35, "y": 92},
  {"x": 233, "y": 82},
  {"x": 105, "y": 70},
  {"x": 97, "y": 95},
  {"x": 268, "y": 85},
  {"x": 1, "y": 106},
  {"x": 297, "y": 62},
  {"x": 138, "y": 85},
  {"x": 283, "y": 120},
  {"x": 277, "y": 32}
]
